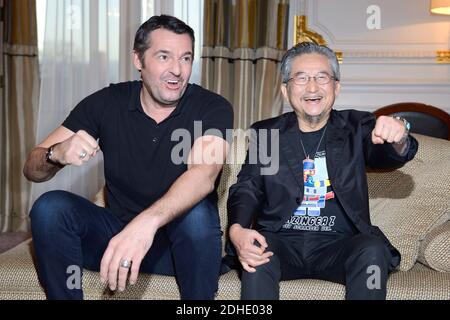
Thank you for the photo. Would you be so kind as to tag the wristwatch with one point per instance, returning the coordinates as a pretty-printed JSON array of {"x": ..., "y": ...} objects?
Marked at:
[
  {"x": 49, "y": 157},
  {"x": 405, "y": 122},
  {"x": 407, "y": 128}
]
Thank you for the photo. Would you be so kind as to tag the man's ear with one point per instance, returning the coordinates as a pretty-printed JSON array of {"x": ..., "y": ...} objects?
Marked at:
[
  {"x": 284, "y": 92},
  {"x": 137, "y": 61},
  {"x": 337, "y": 88}
]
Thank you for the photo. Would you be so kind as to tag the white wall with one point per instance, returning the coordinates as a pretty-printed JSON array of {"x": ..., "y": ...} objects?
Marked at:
[{"x": 395, "y": 63}]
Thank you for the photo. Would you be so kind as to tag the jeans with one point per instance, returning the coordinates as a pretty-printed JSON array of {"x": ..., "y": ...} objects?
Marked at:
[
  {"x": 360, "y": 262},
  {"x": 71, "y": 232}
]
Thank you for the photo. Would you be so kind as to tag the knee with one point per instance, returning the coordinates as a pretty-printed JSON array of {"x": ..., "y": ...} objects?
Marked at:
[
  {"x": 270, "y": 269},
  {"x": 372, "y": 250},
  {"x": 48, "y": 208},
  {"x": 200, "y": 225}
]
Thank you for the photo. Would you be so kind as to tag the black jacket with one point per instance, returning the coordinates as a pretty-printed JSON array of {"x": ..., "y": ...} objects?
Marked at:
[{"x": 266, "y": 202}]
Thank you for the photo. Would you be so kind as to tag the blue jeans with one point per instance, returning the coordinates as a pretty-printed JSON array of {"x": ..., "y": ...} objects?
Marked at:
[{"x": 70, "y": 231}]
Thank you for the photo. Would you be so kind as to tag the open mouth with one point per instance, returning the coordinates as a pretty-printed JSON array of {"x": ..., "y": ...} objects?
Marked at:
[
  {"x": 313, "y": 99},
  {"x": 173, "y": 84}
]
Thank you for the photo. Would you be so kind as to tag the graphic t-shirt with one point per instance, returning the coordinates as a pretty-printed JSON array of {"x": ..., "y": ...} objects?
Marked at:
[{"x": 320, "y": 210}]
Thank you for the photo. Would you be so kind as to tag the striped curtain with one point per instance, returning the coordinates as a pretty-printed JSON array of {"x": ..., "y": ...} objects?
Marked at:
[
  {"x": 20, "y": 92},
  {"x": 244, "y": 41}
]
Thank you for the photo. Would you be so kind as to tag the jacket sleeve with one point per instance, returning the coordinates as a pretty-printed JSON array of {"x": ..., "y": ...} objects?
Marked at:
[
  {"x": 384, "y": 156},
  {"x": 247, "y": 194}
]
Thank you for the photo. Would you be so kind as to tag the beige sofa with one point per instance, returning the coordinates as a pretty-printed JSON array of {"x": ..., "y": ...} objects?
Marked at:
[{"x": 411, "y": 205}]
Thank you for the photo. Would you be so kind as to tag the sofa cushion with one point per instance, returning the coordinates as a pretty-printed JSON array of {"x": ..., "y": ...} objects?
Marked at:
[
  {"x": 434, "y": 250},
  {"x": 409, "y": 202},
  {"x": 231, "y": 169}
]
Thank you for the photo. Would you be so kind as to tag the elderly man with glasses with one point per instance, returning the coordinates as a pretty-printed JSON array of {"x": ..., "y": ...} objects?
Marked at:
[{"x": 311, "y": 219}]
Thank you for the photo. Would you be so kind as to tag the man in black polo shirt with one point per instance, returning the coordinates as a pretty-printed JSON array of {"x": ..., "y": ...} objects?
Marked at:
[{"x": 162, "y": 205}]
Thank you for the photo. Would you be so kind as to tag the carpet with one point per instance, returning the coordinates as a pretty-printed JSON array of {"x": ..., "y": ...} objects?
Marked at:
[{"x": 9, "y": 240}]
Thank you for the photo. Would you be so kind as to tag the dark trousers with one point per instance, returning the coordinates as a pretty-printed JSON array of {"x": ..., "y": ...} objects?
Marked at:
[
  {"x": 360, "y": 262},
  {"x": 71, "y": 232}
]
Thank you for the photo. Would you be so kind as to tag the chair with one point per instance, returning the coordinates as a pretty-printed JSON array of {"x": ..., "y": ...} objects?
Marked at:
[{"x": 424, "y": 119}]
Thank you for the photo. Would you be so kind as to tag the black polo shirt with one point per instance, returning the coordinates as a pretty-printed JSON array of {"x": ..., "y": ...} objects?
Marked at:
[{"x": 137, "y": 151}]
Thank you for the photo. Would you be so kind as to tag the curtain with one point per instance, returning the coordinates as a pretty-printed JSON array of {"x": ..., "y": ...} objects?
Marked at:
[
  {"x": 244, "y": 41},
  {"x": 87, "y": 46},
  {"x": 18, "y": 112}
]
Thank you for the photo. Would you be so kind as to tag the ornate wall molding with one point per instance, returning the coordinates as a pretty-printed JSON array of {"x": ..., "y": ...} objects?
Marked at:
[
  {"x": 391, "y": 54},
  {"x": 303, "y": 33},
  {"x": 390, "y": 57},
  {"x": 443, "y": 56}
]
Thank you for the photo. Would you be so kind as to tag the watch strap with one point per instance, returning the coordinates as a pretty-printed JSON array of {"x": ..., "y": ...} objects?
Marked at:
[{"x": 49, "y": 157}]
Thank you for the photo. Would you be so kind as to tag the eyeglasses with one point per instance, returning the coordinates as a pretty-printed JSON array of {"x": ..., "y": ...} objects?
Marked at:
[{"x": 320, "y": 79}]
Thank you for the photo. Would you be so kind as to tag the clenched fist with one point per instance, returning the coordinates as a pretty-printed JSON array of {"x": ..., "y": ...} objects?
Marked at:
[
  {"x": 390, "y": 130},
  {"x": 76, "y": 150}
]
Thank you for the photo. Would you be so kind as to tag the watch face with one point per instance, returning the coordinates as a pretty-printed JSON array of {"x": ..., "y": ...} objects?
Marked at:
[
  {"x": 407, "y": 125},
  {"x": 405, "y": 122}
]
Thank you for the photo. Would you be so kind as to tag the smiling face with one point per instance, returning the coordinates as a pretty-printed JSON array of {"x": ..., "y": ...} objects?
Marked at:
[
  {"x": 311, "y": 102},
  {"x": 166, "y": 68}
]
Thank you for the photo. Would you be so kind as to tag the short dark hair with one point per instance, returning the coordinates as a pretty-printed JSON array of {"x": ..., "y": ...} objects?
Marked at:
[
  {"x": 308, "y": 48},
  {"x": 141, "y": 43}
]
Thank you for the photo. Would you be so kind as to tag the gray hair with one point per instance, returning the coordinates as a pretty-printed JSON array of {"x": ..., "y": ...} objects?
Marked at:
[{"x": 307, "y": 48}]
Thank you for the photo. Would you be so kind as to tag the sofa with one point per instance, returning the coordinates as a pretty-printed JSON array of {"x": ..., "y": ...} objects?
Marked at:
[{"x": 411, "y": 205}]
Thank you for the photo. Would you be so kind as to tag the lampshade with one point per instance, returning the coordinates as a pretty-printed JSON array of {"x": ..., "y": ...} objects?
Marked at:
[{"x": 440, "y": 6}]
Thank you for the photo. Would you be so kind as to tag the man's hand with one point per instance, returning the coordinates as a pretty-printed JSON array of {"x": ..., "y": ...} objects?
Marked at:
[
  {"x": 131, "y": 244},
  {"x": 388, "y": 129},
  {"x": 76, "y": 150},
  {"x": 250, "y": 255}
]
